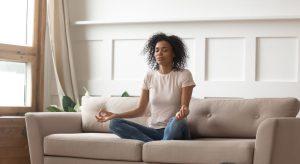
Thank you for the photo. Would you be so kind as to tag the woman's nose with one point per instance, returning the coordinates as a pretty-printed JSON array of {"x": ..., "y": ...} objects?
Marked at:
[{"x": 158, "y": 53}]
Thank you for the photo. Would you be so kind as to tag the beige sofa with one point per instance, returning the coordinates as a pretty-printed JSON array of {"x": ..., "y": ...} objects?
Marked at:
[{"x": 239, "y": 131}]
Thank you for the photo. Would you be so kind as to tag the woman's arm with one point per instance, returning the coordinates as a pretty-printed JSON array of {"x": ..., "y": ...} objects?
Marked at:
[
  {"x": 186, "y": 94},
  {"x": 105, "y": 115}
]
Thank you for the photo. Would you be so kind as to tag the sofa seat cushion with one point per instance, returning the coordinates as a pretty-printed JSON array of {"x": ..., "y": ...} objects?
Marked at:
[
  {"x": 103, "y": 146},
  {"x": 200, "y": 151}
]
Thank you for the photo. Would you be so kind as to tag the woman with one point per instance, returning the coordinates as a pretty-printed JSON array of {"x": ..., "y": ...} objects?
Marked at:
[{"x": 167, "y": 87}]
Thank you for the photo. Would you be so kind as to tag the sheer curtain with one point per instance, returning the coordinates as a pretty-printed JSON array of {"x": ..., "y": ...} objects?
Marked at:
[{"x": 61, "y": 49}]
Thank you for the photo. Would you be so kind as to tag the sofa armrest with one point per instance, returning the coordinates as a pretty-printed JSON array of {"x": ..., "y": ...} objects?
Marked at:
[
  {"x": 278, "y": 141},
  {"x": 41, "y": 124}
]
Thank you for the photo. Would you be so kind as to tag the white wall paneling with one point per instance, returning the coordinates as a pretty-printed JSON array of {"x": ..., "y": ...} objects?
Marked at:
[
  {"x": 87, "y": 57},
  {"x": 128, "y": 60},
  {"x": 225, "y": 59},
  {"x": 277, "y": 59},
  {"x": 237, "y": 48},
  {"x": 250, "y": 59}
]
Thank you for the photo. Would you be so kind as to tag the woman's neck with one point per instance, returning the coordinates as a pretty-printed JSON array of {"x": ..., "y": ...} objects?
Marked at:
[{"x": 165, "y": 69}]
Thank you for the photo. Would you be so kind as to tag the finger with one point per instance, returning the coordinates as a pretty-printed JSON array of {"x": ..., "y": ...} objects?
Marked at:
[
  {"x": 181, "y": 109},
  {"x": 103, "y": 113},
  {"x": 182, "y": 113},
  {"x": 100, "y": 111},
  {"x": 179, "y": 117},
  {"x": 185, "y": 110},
  {"x": 102, "y": 120},
  {"x": 99, "y": 117}
]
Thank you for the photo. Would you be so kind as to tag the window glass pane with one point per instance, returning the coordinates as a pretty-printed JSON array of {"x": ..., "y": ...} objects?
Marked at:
[
  {"x": 12, "y": 83},
  {"x": 16, "y": 17}
]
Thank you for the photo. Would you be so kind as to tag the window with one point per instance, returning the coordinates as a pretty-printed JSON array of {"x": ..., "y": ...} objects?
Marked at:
[
  {"x": 17, "y": 22},
  {"x": 13, "y": 83},
  {"x": 21, "y": 46}
]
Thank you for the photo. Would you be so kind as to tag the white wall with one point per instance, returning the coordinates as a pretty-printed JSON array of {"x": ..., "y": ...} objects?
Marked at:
[
  {"x": 238, "y": 48},
  {"x": 112, "y": 10}
]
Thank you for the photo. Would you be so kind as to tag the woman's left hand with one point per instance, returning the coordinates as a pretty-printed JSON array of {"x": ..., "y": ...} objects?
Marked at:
[{"x": 183, "y": 112}]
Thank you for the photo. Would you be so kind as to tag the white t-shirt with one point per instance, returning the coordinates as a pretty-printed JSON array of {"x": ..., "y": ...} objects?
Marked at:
[{"x": 165, "y": 94}]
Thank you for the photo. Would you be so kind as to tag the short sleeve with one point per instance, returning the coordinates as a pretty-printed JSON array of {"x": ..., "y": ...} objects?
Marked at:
[
  {"x": 146, "y": 81},
  {"x": 187, "y": 79}
]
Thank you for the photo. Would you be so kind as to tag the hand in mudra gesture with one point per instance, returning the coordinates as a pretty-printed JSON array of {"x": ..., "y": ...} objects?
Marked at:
[
  {"x": 104, "y": 115},
  {"x": 182, "y": 113}
]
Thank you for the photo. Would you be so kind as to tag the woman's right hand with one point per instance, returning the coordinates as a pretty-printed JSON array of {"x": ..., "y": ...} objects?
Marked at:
[{"x": 104, "y": 115}]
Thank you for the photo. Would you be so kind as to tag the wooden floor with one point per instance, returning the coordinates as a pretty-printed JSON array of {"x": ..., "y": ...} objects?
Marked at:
[{"x": 13, "y": 141}]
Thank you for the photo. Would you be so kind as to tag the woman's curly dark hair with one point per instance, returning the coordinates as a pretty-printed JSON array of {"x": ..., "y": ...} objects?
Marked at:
[{"x": 178, "y": 47}]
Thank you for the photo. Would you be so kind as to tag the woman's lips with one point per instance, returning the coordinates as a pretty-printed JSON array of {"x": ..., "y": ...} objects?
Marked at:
[{"x": 159, "y": 59}]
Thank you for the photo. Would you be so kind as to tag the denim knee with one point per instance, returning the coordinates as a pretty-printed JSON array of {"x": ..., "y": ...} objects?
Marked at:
[
  {"x": 115, "y": 123},
  {"x": 178, "y": 123}
]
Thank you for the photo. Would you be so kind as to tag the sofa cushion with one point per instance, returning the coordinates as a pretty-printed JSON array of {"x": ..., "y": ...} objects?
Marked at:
[
  {"x": 91, "y": 105},
  {"x": 93, "y": 146},
  {"x": 236, "y": 117},
  {"x": 200, "y": 151},
  {"x": 70, "y": 160}
]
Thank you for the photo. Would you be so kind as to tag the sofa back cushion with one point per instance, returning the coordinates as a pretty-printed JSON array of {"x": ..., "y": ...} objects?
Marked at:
[
  {"x": 236, "y": 117},
  {"x": 91, "y": 105}
]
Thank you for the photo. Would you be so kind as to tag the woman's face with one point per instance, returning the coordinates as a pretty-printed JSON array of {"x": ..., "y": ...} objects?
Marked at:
[{"x": 164, "y": 53}]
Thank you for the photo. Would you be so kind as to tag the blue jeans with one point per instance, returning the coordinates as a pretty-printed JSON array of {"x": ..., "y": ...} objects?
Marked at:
[{"x": 175, "y": 130}]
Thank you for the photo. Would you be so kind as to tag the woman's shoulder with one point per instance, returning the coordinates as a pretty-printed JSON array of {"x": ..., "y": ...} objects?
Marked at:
[
  {"x": 184, "y": 71},
  {"x": 184, "y": 74}
]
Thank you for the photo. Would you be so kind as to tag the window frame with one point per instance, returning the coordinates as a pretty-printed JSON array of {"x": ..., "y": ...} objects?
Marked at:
[{"x": 34, "y": 57}]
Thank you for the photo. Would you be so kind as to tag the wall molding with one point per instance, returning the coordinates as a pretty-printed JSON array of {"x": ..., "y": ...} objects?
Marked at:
[{"x": 182, "y": 20}]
